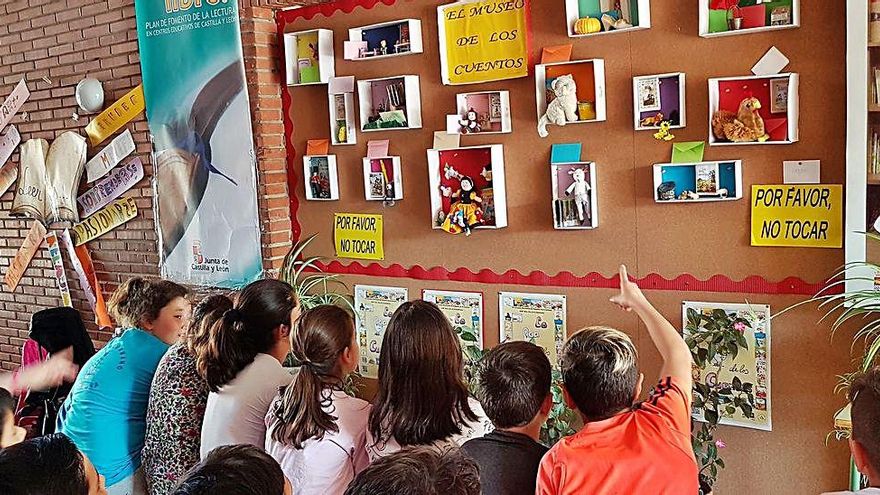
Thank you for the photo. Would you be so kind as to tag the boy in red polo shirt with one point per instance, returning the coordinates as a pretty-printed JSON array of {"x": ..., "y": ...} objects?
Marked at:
[{"x": 625, "y": 447}]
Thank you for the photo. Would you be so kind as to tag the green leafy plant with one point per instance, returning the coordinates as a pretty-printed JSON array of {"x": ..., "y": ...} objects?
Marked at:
[{"x": 712, "y": 338}]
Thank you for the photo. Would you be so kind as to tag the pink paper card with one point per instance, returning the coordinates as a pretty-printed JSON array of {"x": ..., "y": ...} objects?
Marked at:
[
  {"x": 13, "y": 102},
  {"x": 8, "y": 141},
  {"x": 377, "y": 149},
  {"x": 341, "y": 85},
  {"x": 353, "y": 49}
]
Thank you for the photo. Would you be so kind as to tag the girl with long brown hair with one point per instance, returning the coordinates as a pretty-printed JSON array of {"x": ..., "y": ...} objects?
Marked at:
[{"x": 315, "y": 431}]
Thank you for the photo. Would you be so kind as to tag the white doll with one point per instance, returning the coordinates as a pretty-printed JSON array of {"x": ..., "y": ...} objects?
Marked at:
[{"x": 580, "y": 189}]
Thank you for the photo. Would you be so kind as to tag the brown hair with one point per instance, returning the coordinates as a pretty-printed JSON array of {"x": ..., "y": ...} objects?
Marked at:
[
  {"x": 864, "y": 393},
  {"x": 233, "y": 470},
  {"x": 139, "y": 301},
  {"x": 422, "y": 396},
  {"x": 245, "y": 330},
  {"x": 204, "y": 316},
  {"x": 321, "y": 335},
  {"x": 514, "y": 382},
  {"x": 422, "y": 470}
]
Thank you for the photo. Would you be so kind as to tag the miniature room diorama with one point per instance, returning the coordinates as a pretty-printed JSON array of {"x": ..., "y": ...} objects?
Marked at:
[
  {"x": 574, "y": 196},
  {"x": 320, "y": 177},
  {"x": 467, "y": 188},
  {"x": 392, "y": 103},
  {"x": 754, "y": 110},
  {"x": 383, "y": 179},
  {"x": 342, "y": 124},
  {"x": 309, "y": 57},
  {"x": 569, "y": 93},
  {"x": 485, "y": 112},
  {"x": 659, "y": 99},
  {"x": 387, "y": 39},
  {"x": 730, "y": 17},
  {"x": 590, "y": 17},
  {"x": 698, "y": 182}
]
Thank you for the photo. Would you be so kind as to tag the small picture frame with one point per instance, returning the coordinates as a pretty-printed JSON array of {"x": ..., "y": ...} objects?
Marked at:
[
  {"x": 383, "y": 179},
  {"x": 649, "y": 94},
  {"x": 320, "y": 177},
  {"x": 707, "y": 178},
  {"x": 779, "y": 95}
]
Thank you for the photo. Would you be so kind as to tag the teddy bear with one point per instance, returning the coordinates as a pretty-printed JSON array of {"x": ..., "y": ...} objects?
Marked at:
[
  {"x": 563, "y": 108},
  {"x": 470, "y": 124}
]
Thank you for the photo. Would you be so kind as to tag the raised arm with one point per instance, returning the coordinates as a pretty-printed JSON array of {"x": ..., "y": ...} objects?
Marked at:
[{"x": 56, "y": 370}]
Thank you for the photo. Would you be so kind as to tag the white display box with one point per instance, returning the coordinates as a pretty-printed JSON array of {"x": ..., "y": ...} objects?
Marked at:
[
  {"x": 320, "y": 177},
  {"x": 634, "y": 10},
  {"x": 566, "y": 215},
  {"x": 388, "y": 97},
  {"x": 708, "y": 180},
  {"x": 493, "y": 111},
  {"x": 476, "y": 162},
  {"x": 402, "y": 37},
  {"x": 728, "y": 92},
  {"x": 308, "y": 57},
  {"x": 376, "y": 181},
  {"x": 342, "y": 116},
  {"x": 589, "y": 75},
  {"x": 669, "y": 99},
  {"x": 794, "y": 18}
]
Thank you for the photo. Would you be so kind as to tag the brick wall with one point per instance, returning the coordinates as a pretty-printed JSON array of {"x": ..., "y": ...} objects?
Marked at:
[{"x": 66, "y": 40}]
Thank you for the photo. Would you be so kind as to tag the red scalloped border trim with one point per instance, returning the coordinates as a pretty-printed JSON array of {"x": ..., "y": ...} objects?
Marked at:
[{"x": 753, "y": 284}]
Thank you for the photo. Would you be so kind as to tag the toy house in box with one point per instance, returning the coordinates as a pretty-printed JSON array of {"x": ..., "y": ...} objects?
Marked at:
[
  {"x": 484, "y": 165},
  {"x": 486, "y": 112},
  {"x": 574, "y": 196},
  {"x": 589, "y": 76},
  {"x": 733, "y": 17},
  {"x": 754, "y": 110},
  {"x": 592, "y": 17},
  {"x": 383, "y": 179},
  {"x": 319, "y": 175},
  {"x": 698, "y": 182},
  {"x": 659, "y": 98},
  {"x": 343, "y": 129},
  {"x": 387, "y": 39},
  {"x": 309, "y": 57},
  {"x": 391, "y": 103}
]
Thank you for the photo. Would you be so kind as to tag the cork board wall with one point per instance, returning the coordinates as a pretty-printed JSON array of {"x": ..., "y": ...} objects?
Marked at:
[{"x": 700, "y": 240}]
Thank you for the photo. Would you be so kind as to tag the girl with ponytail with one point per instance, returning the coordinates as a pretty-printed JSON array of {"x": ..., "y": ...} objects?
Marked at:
[
  {"x": 241, "y": 363},
  {"x": 315, "y": 431}
]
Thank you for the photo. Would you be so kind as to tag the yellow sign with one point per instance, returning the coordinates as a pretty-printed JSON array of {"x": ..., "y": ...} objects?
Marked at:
[
  {"x": 116, "y": 116},
  {"x": 104, "y": 220},
  {"x": 483, "y": 40},
  {"x": 798, "y": 216},
  {"x": 358, "y": 236}
]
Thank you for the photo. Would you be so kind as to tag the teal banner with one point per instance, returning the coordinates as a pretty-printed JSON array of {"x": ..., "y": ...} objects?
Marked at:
[{"x": 204, "y": 167}]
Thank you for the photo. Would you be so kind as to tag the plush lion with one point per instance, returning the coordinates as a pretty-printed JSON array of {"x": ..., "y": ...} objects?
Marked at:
[{"x": 563, "y": 108}]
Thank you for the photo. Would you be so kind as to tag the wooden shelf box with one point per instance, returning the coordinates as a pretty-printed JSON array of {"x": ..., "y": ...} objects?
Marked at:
[
  {"x": 778, "y": 95},
  {"x": 401, "y": 37},
  {"x": 390, "y": 104},
  {"x": 636, "y": 12},
  {"x": 379, "y": 174},
  {"x": 589, "y": 75},
  {"x": 654, "y": 95},
  {"x": 343, "y": 129},
  {"x": 485, "y": 165},
  {"x": 320, "y": 177},
  {"x": 709, "y": 181},
  {"x": 566, "y": 211},
  {"x": 308, "y": 57},
  {"x": 492, "y": 109},
  {"x": 766, "y": 16}
]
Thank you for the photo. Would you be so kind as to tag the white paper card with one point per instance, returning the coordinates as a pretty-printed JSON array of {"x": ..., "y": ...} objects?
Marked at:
[
  {"x": 771, "y": 63},
  {"x": 13, "y": 102},
  {"x": 341, "y": 85},
  {"x": 801, "y": 172},
  {"x": 445, "y": 141},
  {"x": 121, "y": 146},
  {"x": 8, "y": 141}
]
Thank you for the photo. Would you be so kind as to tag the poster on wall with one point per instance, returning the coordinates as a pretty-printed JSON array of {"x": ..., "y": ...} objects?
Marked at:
[
  {"x": 483, "y": 40},
  {"x": 205, "y": 180},
  {"x": 465, "y": 313},
  {"x": 741, "y": 377},
  {"x": 373, "y": 307},
  {"x": 797, "y": 215},
  {"x": 536, "y": 318}
]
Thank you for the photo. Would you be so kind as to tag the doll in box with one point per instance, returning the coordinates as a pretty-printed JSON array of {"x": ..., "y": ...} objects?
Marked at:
[
  {"x": 466, "y": 212},
  {"x": 580, "y": 189}
]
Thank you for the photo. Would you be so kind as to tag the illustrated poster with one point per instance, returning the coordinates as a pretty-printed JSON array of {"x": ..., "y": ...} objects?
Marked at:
[
  {"x": 373, "y": 309},
  {"x": 465, "y": 313},
  {"x": 536, "y": 318}
]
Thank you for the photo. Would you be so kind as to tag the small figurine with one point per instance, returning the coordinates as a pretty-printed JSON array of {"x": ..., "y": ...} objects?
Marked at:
[
  {"x": 470, "y": 123},
  {"x": 383, "y": 47},
  {"x": 581, "y": 190},
  {"x": 314, "y": 48},
  {"x": 652, "y": 120},
  {"x": 486, "y": 173},
  {"x": 666, "y": 191},
  {"x": 564, "y": 106},
  {"x": 465, "y": 213},
  {"x": 315, "y": 183},
  {"x": 663, "y": 134}
]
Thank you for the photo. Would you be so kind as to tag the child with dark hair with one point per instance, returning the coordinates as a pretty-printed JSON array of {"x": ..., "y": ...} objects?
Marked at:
[
  {"x": 105, "y": 413},
  {"x": 49, "y": 465},
  {"x": 422, "y": 397},
  {"x": 235, "y": 470},
  {"x": 864, "y": 443},
  {"x": 624, "y": 446},
  {"x": 178, "y": 398},
  {"x": 241, "y": 362},
  {"x": 419, "y": 470},
  {"x": 315, "y": 430},
  {"x": 514, "y": 389},
  {"x": 10, "y": 434}
]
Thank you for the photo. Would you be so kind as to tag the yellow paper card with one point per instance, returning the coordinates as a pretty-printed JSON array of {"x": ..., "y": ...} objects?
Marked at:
[
  {"x": 116, "y": 115},
  {"x": 104, "y": 220},
  {"x": 797, "y": 215},
  {"x": 358, "y": 236}
]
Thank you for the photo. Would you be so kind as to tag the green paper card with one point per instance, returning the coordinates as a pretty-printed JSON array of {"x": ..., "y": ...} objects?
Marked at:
[
  {"x": 309, "y": 75},
  {"x": 589, "y": 8},
  {"x": 717, "y": 21}
]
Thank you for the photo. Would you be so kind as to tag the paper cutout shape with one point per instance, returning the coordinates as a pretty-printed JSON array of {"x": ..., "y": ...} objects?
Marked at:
[
  {"x": 718, "y": 21},
  {"x": 58, "y": 267},
  {"x": 753, "y": 16},
  {"x": 30, "y": 195},
  {"x": 445, "y": 140},
  {"x": 13, "y": 103},
  {"x": 88, "y": 279},
  {"x": 352, "y": 49},
  {"x": 121, "y": 146},
  {"x": 565, "y": 153},
  {"x": 377, "y": 149},
  {"x": 340, "y": 85},
  {"x": 64, "y": 168},
  {"x": 25, "y": 254},
  {"x": 105, "y": 220},
  {"x": 801, "y": 172},
  {"x": 688, "y": 152},
  {"x": 8, "y": 141},
  {"x": 116, "y": 115},
  {"x": 772, "y": 63},
  {"x": 121, "y": 179},
  {"x": 777, "y": 129},
  {"x": 317, "y": 147},
  {"x": 559, "y": 53},
  {"x": 8, "y": 176}
]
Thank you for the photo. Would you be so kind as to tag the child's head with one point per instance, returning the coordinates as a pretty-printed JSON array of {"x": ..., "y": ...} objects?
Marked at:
[
  {"x": 235, "y": 470},
  {"x": 864, "y": 394},
  {"x": 259, "y": 322},
  {"x": 422, "y": 395},
  {"x": 324, "y": 342},
  {"x": 515, "y": 384},
  {"x": 599, "y": 372},
  {"x": 422, "y": 470},
  {"x": 10, "y": 434},
  {"x": 206, "y": 313},
  {"x": 50, "y": 464},
  {"x": 159, "y": 307}
]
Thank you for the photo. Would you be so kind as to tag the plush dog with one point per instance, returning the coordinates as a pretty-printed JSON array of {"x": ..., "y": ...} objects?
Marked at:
[{"x": 563, "y": 108}]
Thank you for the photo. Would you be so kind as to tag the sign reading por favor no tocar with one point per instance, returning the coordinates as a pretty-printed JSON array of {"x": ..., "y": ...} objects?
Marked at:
[
  {"x": 359, "y": 236},
  {"x": 797, "y": 216}
]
